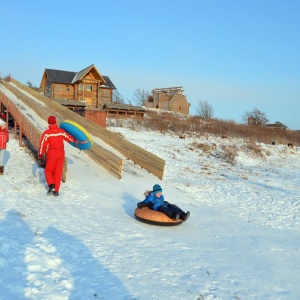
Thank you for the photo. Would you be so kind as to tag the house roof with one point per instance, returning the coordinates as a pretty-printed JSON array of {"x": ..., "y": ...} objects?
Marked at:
[
  {"x": 68, "y": 77},
  {"x": 108, "y": 82},
  {"x": 121, "y": 106},
  {"x": 80, "y": 74},
  {"x": 59, "y": 76},
  {"x": 277, "y": 125},
  {"x": 71, "y": 102}
]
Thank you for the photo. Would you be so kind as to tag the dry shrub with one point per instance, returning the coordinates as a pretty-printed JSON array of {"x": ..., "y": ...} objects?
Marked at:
[
  {"x": 255, "y": 150},
  {"x": 206, "y": 148},
  {"x": 200, "y": 127},
  {"x": 229, "y": 154}
]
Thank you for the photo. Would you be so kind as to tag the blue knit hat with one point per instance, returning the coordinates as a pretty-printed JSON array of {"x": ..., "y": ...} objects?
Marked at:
[{"x": 157, "y": 189}]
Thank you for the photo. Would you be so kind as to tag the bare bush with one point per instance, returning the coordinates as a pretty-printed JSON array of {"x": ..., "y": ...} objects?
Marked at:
[
  {"x": 201, "y": 127},
  {"x": 206, "y": 148},
  {"x": 254, "y": 149},
  {"x": 229, "y": 154}
]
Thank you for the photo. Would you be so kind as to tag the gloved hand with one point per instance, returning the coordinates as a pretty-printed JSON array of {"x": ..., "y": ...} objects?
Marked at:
[
  {"x": 141, "y": 205},
  {"x": 41, "y": 160},
  {"x": 150, "y": 205}
]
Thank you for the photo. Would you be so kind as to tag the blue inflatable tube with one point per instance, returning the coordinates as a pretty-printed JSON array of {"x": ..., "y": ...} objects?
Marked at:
[{"x": 79, "y": 133}]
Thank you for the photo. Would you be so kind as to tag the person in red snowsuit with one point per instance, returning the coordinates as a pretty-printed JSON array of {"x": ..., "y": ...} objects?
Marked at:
[
  {"x": 52, "y": 145},
  {"x": 4, "y": 138}
]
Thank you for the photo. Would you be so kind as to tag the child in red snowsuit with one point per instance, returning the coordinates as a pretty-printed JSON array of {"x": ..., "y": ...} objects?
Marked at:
[
  {"x": 52, "y": 144},
  {"x": 4, "y": 138}
]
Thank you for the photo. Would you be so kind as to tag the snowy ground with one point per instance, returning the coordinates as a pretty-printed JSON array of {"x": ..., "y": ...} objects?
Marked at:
[{"x": 241, "y": 241}]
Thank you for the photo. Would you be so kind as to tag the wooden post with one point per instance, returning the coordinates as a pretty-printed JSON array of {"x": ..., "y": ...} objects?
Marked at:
[
  {"x": 15, "y": 129},
  {"x": 20, "y": 137}
]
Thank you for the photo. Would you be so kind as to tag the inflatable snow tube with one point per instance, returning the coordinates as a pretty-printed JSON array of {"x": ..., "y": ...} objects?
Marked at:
[
  {"x": 79, "y": 133},
  {"x": 150, "y": 216}
]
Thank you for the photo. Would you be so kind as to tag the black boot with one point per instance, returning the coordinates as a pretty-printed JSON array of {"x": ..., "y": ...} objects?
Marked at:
[
  {"x": 51, "y": 189},
  {"x": 184, "y": 216},
  {"x": 55, "y": 194}
]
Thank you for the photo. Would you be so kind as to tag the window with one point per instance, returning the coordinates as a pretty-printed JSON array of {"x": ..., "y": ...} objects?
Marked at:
[
  {"x": 89, "y": 88},
  {"x": 58, "y": 87},
  {"x": 80, "y": 87}
]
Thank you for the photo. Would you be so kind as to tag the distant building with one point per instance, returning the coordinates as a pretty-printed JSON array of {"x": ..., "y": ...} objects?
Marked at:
[
  {"x": 252, "y": 121},
  {"x": 87, "y": 86},
  {"x": 169, "y": 99},
  {"x": 276, "y": 125},
  {"x": 123, "y": 110}
]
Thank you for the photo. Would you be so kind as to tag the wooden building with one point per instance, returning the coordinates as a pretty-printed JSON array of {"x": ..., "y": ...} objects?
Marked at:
[
  {"x": 123, "y": 110},
  {"x": 169, "y": 99},
  {"x": 87, "y": 86},
  {"x": 277, "y": 125}
]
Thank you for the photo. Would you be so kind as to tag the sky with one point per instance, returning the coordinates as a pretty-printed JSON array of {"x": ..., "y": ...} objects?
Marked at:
[
  {"x": 241, "y": 241},
  {"x": 236, "y": 55}
]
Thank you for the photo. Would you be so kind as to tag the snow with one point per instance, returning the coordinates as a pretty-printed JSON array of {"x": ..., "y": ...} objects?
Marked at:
[{"x": 240, "y": 242}]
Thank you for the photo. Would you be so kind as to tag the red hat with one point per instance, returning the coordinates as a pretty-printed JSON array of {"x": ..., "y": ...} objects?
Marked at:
[{"x": 51, "y": 120}]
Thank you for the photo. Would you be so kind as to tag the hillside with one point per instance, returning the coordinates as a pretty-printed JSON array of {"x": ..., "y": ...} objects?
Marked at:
[{"x": 240, "y": 242}]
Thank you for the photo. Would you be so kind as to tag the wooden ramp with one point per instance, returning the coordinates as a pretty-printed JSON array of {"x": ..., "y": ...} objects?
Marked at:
[{"x": 110, "y": 161}]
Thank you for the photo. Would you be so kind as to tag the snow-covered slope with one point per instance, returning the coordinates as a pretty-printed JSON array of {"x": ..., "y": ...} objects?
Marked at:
[{"x": 240, "y": 242}]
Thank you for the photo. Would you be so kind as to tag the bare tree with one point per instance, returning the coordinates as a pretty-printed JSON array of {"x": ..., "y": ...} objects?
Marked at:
[
  {"x": 29, "y": 83},
  {"x": 258, "y": 117},
  {"x": 117, "y": 97},
  {"x": 129, "y": 102},
  {"x": 204, "y": 109},
  {"x": 140, "y": 96}
]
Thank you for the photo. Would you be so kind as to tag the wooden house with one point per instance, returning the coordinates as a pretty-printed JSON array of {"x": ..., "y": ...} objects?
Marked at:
[
  {"x": 123, "y": 110},
  {"x": 169, "y": 99},
  {"x": 87, "y": 86}
]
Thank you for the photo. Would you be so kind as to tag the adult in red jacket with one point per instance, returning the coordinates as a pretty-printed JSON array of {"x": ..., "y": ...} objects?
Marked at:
[
  {"x": 4, "y": 138},
  {"x": 52, "y": 145}
]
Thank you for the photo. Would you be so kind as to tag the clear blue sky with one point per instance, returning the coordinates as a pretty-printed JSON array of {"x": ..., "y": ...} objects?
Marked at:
[{"x": 235, "y": 54}]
